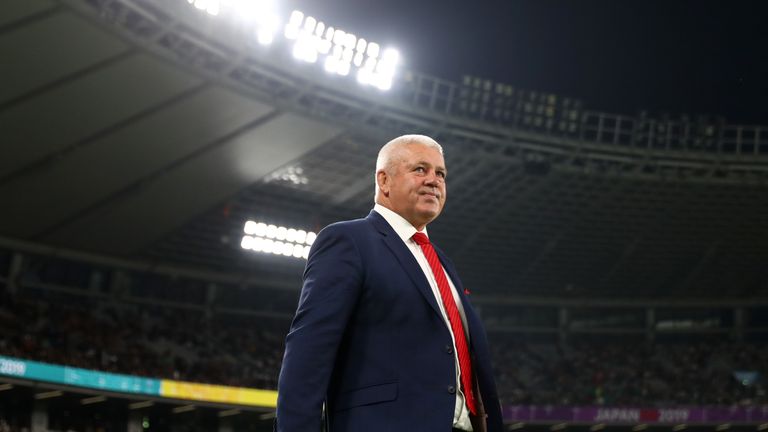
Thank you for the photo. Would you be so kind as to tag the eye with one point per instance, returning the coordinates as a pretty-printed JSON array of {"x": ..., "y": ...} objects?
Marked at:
[
  {"x": 420, "y": 169},
  {"x": 441, "y": 174}
]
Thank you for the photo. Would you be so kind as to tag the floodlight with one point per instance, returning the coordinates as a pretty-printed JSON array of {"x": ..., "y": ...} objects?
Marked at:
[
  {"x": 383, "y": 82},
  {"x": 309, "y": 24},
  {"x": 267, "y": 246},
  {"x": 329, "y": 34},
  {"x": 319, "y": 29},
  {"x": 291, "y": 32},
  {"x": 347, "y": 55},
  {"x": 281, "y": 232},
  {"x": 298, "y": 250},
  {"x": 305, "y": 254},
  {"x": 358, "y": 60},
  {"x": 350, "y": 41},
  {"x": 247, "y": 242},
  {"x": 301, "y": 235},
  {"x": 296, "y": 19},
  {"x": 343, "y": 68},
  {"x": 323, "y": 46},
  {"x": 373, "y": 49},
  {"x": 331, "y": 64},
  {"x": 265, "y": 36},
  {"x": 271, "y": 230},
  {"x": 361, "y": 45},
  {"x": 339, "y": 36},
  {"x": 310, "y": 238},
  {"x": 364, "y": 76},
  {"x": 261, "y": 229},
  {"x": 287, "y": 249},
  {"x": 250, "y": 227}
]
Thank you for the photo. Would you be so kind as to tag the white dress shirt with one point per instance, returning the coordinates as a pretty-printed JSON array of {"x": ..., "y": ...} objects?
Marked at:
[{"x": 405, "y": 231}]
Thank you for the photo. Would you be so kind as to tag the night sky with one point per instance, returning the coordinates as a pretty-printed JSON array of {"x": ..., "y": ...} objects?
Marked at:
[{"x": 620, "y": 56}]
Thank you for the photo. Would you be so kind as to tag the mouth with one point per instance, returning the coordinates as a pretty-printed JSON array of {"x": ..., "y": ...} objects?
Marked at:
[{"x": 431, "y": 194}]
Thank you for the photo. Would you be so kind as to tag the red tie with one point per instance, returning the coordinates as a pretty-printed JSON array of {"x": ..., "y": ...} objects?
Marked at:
[{"x": 462, "y": 351}]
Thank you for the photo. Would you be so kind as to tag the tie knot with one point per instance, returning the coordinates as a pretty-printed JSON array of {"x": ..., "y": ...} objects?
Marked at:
[{"x": 420, "y": 238}]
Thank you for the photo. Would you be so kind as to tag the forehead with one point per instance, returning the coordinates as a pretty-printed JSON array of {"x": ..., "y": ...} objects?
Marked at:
[{"x": 421, "y": 153}]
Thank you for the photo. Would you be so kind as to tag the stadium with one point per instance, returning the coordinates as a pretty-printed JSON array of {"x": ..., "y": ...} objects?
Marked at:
[{"x": 166, "y": 165}]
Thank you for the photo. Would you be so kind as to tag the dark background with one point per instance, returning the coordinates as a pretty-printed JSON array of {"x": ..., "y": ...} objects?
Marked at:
[{"x": 621, "y": 56}]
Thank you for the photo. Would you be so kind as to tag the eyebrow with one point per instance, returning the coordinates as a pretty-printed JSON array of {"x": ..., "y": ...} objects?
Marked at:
[{"x": 437, "y": 168}]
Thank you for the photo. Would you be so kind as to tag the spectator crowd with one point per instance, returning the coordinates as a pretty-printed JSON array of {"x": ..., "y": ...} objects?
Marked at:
[{"x": 194, "y": 344}]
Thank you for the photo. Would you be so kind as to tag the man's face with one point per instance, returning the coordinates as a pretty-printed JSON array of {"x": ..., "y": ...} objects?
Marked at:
[{"x": 415, "y": 185}]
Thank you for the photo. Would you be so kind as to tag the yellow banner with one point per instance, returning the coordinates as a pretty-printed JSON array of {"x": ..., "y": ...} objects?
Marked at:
[{"x": 218, "y": 393}]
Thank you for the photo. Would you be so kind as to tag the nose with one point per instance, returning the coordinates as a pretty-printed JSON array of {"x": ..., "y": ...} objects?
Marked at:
[{"x": 433, "y": 179}]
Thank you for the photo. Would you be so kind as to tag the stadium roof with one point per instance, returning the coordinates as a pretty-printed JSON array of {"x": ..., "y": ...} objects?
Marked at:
[{"x": 144, "y": 131}]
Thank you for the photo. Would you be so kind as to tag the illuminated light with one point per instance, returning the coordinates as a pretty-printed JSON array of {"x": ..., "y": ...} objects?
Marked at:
[
  {"x": 309, "y": 24},
  {"x": 324, "y": 46},
  {"x": 373, "y": 49},
  {"x": 339, "y": 36},
  {"x": 370, "y": 64},
  {"x": 281, "y": 232},
  {"x": 350, "y": 41},
  {"x": 291, "y": 32},
  {"x": 358, "y": 60},
  {"x": 298, "y": 250},
  {"x": 348, "y": 55},
  {"x": 287, "y": 249},
  {"x": 290, "y": 235},
  {"x": 258, "y": 244},
  {"x": 201, "y": 4},
  {"x": 331, "y": 64},
  {"x": 361, "y": 45},
  {"x": 305, "y": 254},
  {"x": 319, "y": 29},
  {"x": 389, "y": 59},
  {"x": 301, "y": 235},
  {"x": 364, "y": 76},
  {"x": 271, "y": 231},
  {"x": 383, "y": 82},
  {"x": 304, "y": 48},
  {"x": 277, "y": 248},
  {"x": 247, "y": 242},
  {"x": 310, "y": 238},
  {"x": 329, "y": 34},
  {"x": 338, "y": 51},
  {"x": 250, "y": 227},
  {"x": 296, "y": 18},
  {"x": 343, "y": 69},
  {"x": 213, "y": 8},
  {"x": 265, "y": 36},
  {"x": 261, "y": 229},
  {"x": 267, "y": 246}
]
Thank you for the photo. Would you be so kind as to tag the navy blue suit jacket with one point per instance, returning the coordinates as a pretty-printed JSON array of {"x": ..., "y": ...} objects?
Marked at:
[{"x": 368, "y": 339}]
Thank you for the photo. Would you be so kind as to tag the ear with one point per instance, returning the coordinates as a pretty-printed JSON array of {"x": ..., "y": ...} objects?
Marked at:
[{"x": 382, "y": 179}]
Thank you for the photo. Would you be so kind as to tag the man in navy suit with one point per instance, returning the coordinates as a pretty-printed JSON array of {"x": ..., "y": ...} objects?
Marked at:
[{"x": 384, "y": 338}]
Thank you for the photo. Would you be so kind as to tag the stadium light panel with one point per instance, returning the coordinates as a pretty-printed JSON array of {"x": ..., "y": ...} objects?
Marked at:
[
  {"x": 265, "y": 36},
  {"x": 276, "y": 240},
  {"x": 341, "y": 52}
]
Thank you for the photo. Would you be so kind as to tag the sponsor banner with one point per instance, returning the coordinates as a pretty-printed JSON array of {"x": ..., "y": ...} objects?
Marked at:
[
  {"x": 591, "y": 414},
  {"x": 217, "y": 393},
  {"x": 66, "y": 375}
]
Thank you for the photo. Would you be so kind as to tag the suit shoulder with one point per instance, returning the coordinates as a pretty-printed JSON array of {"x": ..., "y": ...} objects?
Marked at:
[{"x": 346, "y": 227}]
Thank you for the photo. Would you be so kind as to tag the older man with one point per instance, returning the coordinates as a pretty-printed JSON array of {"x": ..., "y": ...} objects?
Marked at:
[{"x": 384, "y": 335}]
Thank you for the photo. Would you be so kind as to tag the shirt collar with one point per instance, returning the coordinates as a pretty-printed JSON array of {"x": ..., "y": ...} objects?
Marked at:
[{"x": 402, "y": 227}]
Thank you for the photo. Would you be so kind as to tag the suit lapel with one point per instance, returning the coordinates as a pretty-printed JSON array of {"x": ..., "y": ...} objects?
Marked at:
[{"x": 405, "y": 257}]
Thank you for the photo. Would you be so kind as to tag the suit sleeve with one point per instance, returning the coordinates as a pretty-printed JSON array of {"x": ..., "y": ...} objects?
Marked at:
[{"x": 332, "y": 285}]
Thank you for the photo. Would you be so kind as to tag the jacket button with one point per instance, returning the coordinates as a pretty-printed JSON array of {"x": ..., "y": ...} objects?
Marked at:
[
  {"x": 451, "y": 389},
  {"x": 449, "y": 349}
]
